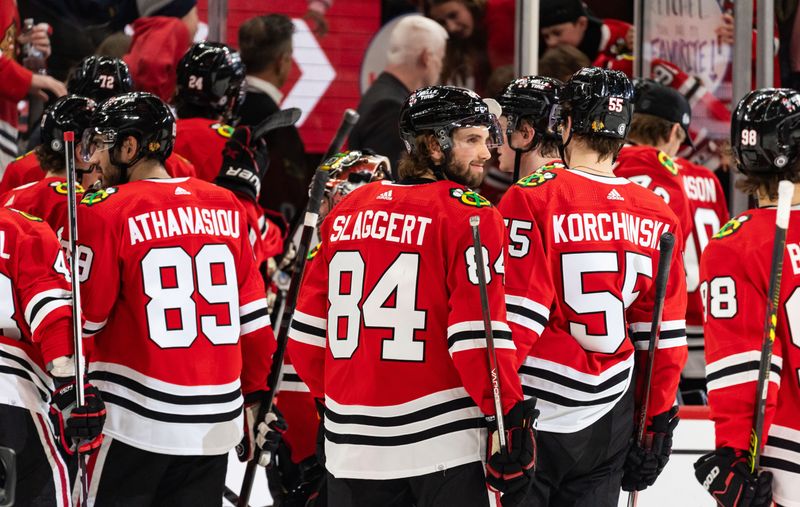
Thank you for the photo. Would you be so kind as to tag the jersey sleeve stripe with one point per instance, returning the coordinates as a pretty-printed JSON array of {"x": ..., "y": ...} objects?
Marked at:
[
  {"x": 782, "y": 457},
  {"x": 92, "y": 328},
  {"x": 731, "y": 374},
  {"x": 527, "y": 313},
  {"x": 749, "y": 356},
  {"x": 304, "y": 330},
  {"x": 43, "y": 303},
  {"x": 472, "y": 335},
  {"x": 291, "y": 381}
]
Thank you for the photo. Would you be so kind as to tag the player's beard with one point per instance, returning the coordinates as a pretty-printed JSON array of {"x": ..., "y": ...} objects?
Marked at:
[
  {"x": 462, "y": 173},
  {"x": 111, "y": 175}
]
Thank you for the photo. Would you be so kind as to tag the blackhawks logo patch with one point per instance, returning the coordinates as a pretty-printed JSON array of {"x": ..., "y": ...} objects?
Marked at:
[
  {"x": 93, "y": 198},
  {"x": 223, "y": 130},
  {"x": 732, "y": 226},
  {"x": 470, "y": 198},
  {"x": 539, "y": 177},
  {"x": 60, "y": 187},
  {"x": 314, "y": 251},
  {"x": 668, "y": 163}
]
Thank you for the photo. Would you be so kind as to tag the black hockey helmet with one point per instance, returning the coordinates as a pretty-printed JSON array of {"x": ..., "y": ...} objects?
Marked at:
[
  {"x": 69, "y": 113},
  {"x": 536, "y": 99},
  {"x": 442, "y": 109},
  {"x": 100, "y": 77},
  {"x": 765, "y": 130},
  {"x": 599, "y": 101},
  {"x": 138, "y": 114},
  {"x": 210, "y": 78}
]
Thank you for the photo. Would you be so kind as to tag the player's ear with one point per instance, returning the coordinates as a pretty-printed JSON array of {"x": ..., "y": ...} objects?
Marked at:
[
  {"x": 582, "y": 22},
  {"x": 437, "y": 155},
  {"x": 527, "y": 133},
  {"x": 129, "y": 148}
]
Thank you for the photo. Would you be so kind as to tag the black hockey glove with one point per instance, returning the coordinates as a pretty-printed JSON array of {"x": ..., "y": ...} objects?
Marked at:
[
  {"x": 83, "y": 424},
  {"x": 265, "y": 434},
  {"x": 726, "y": 476},
  {"x": 644, "y": 465},
  {"x": 244, "y": 163},
  {"x": 510, "y": 471}
]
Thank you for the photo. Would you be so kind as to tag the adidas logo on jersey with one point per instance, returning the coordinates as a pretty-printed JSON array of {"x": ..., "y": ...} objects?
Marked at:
[
  {"x": 182, "y": 191},
  {"x": 614, "y": 195},
  {"x": 386, "y": 196}
]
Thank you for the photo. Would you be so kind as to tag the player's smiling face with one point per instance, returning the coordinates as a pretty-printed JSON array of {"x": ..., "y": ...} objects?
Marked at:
[
  {"x": 100, "y": 160},
  {"x": 469, "y": 155}
]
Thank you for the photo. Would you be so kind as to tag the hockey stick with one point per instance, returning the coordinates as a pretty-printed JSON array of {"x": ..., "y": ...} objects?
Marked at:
[
  {"x": 494, "y": 374},
  {"x": 309, "y": 223},
  {"x": 662, "y": 275},
  {"x": 279, "y": 119},
  {"x": 785, "y": 194},
  {"x": 72, "y": 218}
]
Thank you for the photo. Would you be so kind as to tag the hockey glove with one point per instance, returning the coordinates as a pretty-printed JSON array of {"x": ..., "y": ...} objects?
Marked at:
[
  {"x": 726, "y": 476},
  {"x": 644, "y": 465},
  {"x": 265, "y": 434},
  {"x": 83, "y": 424},
  {"x": 510, "y": 471},
  {"x": 244, "y": 163}
]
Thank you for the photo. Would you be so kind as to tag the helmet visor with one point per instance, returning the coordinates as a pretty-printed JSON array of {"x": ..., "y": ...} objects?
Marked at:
[
  {"x": 94, "y": 140},
  {"x": 487, "y": 120}
]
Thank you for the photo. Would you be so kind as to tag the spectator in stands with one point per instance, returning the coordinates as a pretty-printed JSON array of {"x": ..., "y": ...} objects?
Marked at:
[
  {"x": 415, "y": 57},
  {"x": 265, "y": 45},
  {"x": 568, "y": 22},
  {"x": 17, "y": 80},
  {"x": 562, "y": 61}
]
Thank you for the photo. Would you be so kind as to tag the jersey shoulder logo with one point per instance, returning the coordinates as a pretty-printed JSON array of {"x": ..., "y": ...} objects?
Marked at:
[
  {"x": 313, "y": 253},
  {"x": 30, "y": 217},
  {"x": 101, "y": 195},
  {"x": 731, "y": 227},
  {"x": 470, "y": 198},
  {"x": 540, "y": 176},
  {"x": 222, "y": 129},
  {"x": 667, "y": 162},
  {"x": 60, "y": 187}
]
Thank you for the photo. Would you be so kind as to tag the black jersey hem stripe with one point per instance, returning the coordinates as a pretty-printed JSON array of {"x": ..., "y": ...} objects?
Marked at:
[
  {"x": 8, "y": 136},
  {"x": 257, "y": 314},
  {"x": 568, "y": 402},
  {"x": 527, "y": 313},
  {"x": 291, "y": 377},
  {"x": 740, "y": 368},
  {"x": 22, "y": 362},
  {"x": 783, "y": 443},
  {"x": 399, "y": 420},
  {"x": 25, "y": 375},
  {"x": 700, "y": 347},
  {"x": 671, "y": 333},
  {"x": 176, "y": 399},
  {"x": 254, "y": 397},
  {"x": 780, "y": 464},
  {"x": 170, "y": 418},
  {"x": 411, "y": 438},
  {"x": 308, "y": 328},
  {"x": 476, "y": 335},
  {"x": 44, "y": 301},
  {"x": 571, "y": 383}
]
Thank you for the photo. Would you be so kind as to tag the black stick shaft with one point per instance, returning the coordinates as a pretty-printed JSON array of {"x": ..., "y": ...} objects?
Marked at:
[
  {"x": 785, "y": 193},
  {"x": 310, "y": 221},
  {"x": 494, "y": 372}
]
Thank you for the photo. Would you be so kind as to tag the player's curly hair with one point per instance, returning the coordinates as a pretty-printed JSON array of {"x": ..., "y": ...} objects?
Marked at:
[
  {"x": 418, "y": 163},
  {"x": 49, "y": 160},
  {"x": 649, "y": 129},
  {"x": 752, "y": 184}
]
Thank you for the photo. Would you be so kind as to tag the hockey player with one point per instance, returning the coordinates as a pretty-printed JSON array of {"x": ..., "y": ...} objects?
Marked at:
[
  {"x": 100, "y": 77},
  {"x": 734, "y": 274},
  {"x": 47, "y": 197},
  {"x": 529, "y": 120},
  {"x": 388, "y": 330},
  {"x": 578, "y": 278},
  {"x": 709, "y": 211},
  {"x": 208, "y": 94},
  {"x": 36, "y": 346},
  {"x": 176, "y": 313}
]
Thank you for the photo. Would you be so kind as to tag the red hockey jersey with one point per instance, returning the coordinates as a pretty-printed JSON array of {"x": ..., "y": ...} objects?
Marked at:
[
  {"x": 25, "y": 169},
  {"x": 177, "y": 311},
  {"x": 201, "y": 141},
  {"x": 35, "y": 310},
  {"x": 709, "y": 212},
  {"x": 389, "y": 329},
  {"x": 656, "y": 171},
  {"x": 46, "y": 199},
  {"x": 583, "y": 251},
  {"x": 179, "y": 167},
  {"x": 734, "y": 273}
]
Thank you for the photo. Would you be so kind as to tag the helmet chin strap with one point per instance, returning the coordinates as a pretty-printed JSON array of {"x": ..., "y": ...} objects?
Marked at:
[
  {"x": 562, "y": 149},
  {"x": 123, "y": 166}
]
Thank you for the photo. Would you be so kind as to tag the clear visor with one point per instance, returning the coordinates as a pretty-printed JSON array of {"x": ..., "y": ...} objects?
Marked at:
[
  {"x": 487, "y": 120},
  {"x": 93, "y": 141}
]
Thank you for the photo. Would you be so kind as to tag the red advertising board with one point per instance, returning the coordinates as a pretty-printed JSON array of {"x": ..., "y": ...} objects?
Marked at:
[{"x": 325, "y": 77}]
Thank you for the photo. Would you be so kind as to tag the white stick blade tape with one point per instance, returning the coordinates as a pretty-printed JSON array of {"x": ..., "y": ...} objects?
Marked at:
[
  {"x": 785, "y": 194},
  {"x": 474, "y": 220},
  {"x": 310, "y": 220}
]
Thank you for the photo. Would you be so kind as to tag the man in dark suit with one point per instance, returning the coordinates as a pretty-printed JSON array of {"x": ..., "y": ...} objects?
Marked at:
[
  {"x": 414, "y": 60},
  {"x": 265, "y": 45}
]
